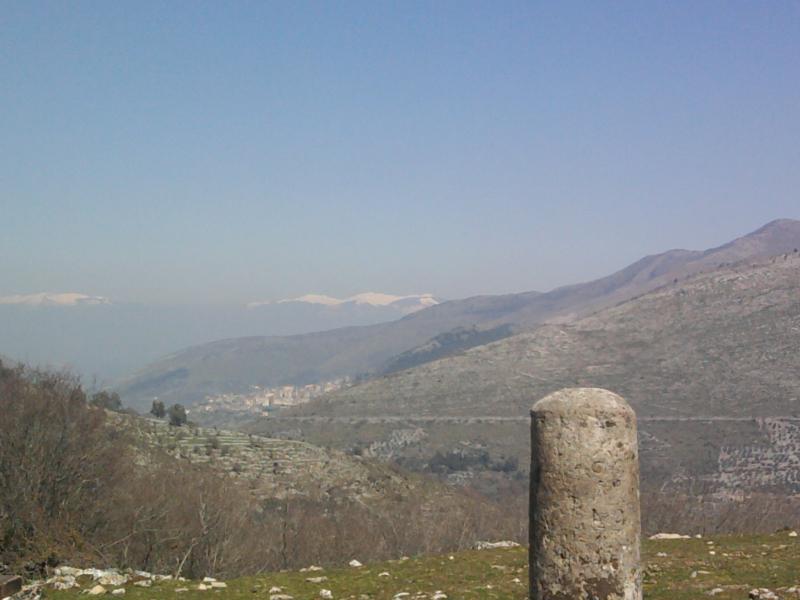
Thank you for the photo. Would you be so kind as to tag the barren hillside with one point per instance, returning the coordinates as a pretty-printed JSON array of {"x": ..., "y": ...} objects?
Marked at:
[
  {"x": 234, "y": 365},
  {"x": 709, "y": 364}
]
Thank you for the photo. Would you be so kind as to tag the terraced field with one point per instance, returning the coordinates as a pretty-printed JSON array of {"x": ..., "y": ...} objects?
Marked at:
[{"x": 273, "y": 468}]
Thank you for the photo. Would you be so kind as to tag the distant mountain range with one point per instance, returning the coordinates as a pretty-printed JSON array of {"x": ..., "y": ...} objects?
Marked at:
[
  {"x": 709, "y": 362},
  {"x": 233, "y": 365},
  {"x": 97, "y": 337},
  {"x": 404, "y": 304},
  {"x": 54, "y": 299}
]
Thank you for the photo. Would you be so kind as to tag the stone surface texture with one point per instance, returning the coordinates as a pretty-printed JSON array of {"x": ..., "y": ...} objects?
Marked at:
[
  {"x": 10, "y": 584},
  {"x": 584, "y": 514}
]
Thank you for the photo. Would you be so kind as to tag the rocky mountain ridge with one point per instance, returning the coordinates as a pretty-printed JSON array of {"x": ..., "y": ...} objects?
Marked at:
[
  {"x": 709, "y": 364},
  {"x": 232, "y": 365}
]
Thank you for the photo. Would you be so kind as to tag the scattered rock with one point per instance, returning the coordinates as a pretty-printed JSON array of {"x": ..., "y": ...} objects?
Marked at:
[
  {"x": 208, "y": 580},
  {"x": 64, "y": 571},
  {"x": 202, "y": 587},
  {"x": 661, "y": 554},
  {"x": 112, "y": 579},
  {"x": 792, "y": 534},
  {"x": 669, "y": 536},
  {"x": 439, "y": 595},
  {"x": 275, "y": 590},
  {"x": 493, "y": 545},
  {"x": 62, "y": 582},
  {"x": 280, "y": 597},
  {"x": 143, "y": 583},
  {"x": 118, "y": 592},
  {"x": 326, "y": 594},
  {"x": 9, "y": 585},
  {"x": 354, "y": 563},
  {"x": 181, "y": 590},
  {"x": 384, "y": 574},
  {"x": 317, "y": 579},
  {"x": 97, "y": 590},
  {"x": 33, "y": 591},
  {"x": 763, "y": 594},
  {"x": 218, "y": 585},
  {"x": 715, "y": 591}
]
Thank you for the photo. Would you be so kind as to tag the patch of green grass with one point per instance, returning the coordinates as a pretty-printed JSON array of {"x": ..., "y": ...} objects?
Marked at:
[
  {"x": 734, "y": 563},
  {"x": 738, "y": 564}
]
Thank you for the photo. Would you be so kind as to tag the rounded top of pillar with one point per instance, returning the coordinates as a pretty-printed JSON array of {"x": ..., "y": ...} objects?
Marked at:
[{"x": 581, "y": 401}]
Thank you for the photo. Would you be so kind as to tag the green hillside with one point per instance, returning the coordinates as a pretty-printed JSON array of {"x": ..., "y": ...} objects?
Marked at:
[{"x": 674, "y": 570}]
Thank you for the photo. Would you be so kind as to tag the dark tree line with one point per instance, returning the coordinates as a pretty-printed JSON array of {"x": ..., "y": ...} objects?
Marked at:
[{"x": 176, "y": 413}]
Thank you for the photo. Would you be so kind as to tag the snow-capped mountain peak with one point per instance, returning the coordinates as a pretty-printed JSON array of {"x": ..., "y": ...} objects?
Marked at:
[
  {"x": 380, "y": 299},
  {"x": 313, "y": 299},
  {"x": 54, "y": 299},
  {"x": 405, "y": 304}
]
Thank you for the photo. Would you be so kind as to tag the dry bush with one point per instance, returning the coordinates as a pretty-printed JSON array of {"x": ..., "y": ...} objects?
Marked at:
[
  {"x": 752, "y": 513},
  {"x": 182, "y": 519},
  {"x": 428, "y": 522},
  {"x": 73, "y": 489},
  {"x": 59, "y": 464},
  {"x": 187, "y": 521}
]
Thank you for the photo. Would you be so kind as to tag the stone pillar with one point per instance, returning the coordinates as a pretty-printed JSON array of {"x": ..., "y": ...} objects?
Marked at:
[{"x": 584, "y": 506}]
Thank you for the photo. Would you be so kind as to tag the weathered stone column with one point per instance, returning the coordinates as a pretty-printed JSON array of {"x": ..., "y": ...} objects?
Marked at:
[{"x": 584, "y": 509}]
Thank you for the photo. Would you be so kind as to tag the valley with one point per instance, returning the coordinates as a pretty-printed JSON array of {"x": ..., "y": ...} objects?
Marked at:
[
  {"x": 431, "y": 334},
  {"x": 708, "y": 363}
]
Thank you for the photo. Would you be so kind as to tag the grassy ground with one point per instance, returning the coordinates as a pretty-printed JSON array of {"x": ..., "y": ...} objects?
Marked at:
[{"x": 675, "y": 570}]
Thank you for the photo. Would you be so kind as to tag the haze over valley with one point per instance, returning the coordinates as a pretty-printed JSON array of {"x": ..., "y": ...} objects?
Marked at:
[
  {"x": 234, "y": 365},
  {"x": 399, "y": 300},
  {"x": 90, "y": 327}
]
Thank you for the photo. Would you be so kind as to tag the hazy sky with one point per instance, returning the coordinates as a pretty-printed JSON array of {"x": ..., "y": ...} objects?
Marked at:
[{"x": 234, "y": 151}]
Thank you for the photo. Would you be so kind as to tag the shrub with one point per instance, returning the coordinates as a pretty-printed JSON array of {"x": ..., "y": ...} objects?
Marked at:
[
  {"x": 107, "y": 400},
  {"x": 59, "y": 464},
  {"x": 158, "y": 410},
  {"x": 177, "y": 415}
]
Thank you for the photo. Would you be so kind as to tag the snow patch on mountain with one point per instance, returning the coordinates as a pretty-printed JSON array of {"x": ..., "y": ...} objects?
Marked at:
[
  {"x": 54, "y": 299},
  {"x": 311, "y": 299},
  {"x": 405, "y": 304}
]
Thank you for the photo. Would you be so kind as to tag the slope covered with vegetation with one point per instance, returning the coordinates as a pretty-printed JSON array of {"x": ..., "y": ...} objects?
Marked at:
[
  {"x": 709, "y": 364},
  {"x": 81, "y": 484},
  {"x": 725, "y": 567},
  {"x": 233, "y": 365}
]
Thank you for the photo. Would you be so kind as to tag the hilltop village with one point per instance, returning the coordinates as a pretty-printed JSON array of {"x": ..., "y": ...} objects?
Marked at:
[{"x": 261, "y": 400}]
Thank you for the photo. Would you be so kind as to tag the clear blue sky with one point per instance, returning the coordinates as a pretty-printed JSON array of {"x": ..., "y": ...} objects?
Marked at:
[{"x": 178, "y": 152}]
